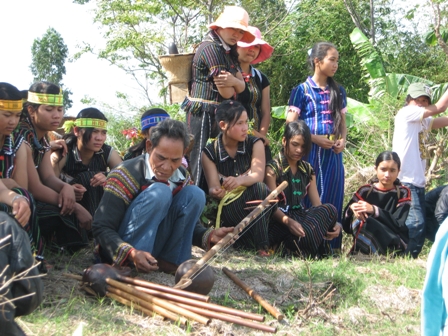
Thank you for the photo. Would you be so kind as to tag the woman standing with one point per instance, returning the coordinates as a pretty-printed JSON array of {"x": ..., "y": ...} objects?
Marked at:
[
  {"x": 256, "y": 97},
  {"x": 322, "y": 104}
]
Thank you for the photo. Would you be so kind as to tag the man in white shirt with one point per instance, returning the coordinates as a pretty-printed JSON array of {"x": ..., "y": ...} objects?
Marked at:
[{"x": 412, "y": 125}]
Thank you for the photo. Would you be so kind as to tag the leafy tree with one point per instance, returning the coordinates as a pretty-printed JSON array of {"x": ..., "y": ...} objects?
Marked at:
[{"x": 49, "y": 54}]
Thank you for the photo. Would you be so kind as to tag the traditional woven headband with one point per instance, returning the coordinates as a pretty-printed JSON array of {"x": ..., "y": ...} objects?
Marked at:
[
  {"x": 46, "y": 98},
  {"x": 152, "y": 120},
  {"x": 11, "y": 105},
  {"x": 84, "y": 122}
]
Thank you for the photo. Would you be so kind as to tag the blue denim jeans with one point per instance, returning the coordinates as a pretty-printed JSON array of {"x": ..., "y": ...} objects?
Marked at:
[
  {"x": 162, "y": 224},
  {"x": 416, "y": 220}
]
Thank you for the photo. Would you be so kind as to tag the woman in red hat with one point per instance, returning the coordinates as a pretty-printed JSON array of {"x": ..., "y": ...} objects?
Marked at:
[
  {"x": 256, "y": 95},
  {"x": 216, "y": 76}
]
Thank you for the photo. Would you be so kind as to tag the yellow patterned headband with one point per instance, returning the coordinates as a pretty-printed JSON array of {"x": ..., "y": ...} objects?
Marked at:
[
  {"x": 46, "y": 98},
  {"x": 11, "y": 105},
  {"x": 84, "y": 122}
]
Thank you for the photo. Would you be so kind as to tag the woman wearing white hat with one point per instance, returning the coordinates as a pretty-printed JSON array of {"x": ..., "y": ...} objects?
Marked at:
[
  {"x": 256, "y": 95},
  {"x": 216, "y": 76}
]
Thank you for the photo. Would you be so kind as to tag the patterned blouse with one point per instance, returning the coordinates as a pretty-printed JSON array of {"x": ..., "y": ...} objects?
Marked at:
[
  {"x": 38, "y": 147},
  {"x": 298, "y": 183},
  {"x": 210, "y": 58},
  {"x": 227, "y": 165},
  {"x": 8, "y": 155},
  {"x": 74, "y": 166},
  {"x": 252, "y": 94},
  {"x": 311, "y": 103}
]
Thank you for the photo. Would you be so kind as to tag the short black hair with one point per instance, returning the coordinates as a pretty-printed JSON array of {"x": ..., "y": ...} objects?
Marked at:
[
  {"x": 10, "y": 92},
  {"x": 89, "y": 112},
  {"x": 172, "y": 129}
]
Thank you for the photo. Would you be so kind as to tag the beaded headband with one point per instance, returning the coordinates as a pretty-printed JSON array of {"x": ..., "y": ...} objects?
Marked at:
[
  {"x": 84, "y": 122},
  {"x": 11, "y": 105},
  {"x": 152, "y": 120},
  {"x": 46, "y": 98}
]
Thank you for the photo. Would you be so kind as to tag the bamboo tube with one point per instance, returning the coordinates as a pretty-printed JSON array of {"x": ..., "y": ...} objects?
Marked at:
[
  {"x": 152, "y": 308},
  {"x": 185, "y": 281},
  {"x": 204, "y": 305},
  {"x": 162, "y": 288},
  {"x": 160, "y": 302},
  {"x": 257, "y": 297},
  {"x": 229, "y": 318}
]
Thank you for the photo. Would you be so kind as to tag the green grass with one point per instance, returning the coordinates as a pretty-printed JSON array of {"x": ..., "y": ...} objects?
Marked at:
[{"x": 371, "y": 297}]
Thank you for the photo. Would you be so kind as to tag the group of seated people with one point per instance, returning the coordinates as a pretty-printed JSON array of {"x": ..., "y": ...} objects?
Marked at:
[{"x": 145, "y": 210}]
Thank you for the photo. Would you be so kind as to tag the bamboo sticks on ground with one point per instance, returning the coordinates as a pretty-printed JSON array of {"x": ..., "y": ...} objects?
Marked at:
[{"x": 178, "y": 307}]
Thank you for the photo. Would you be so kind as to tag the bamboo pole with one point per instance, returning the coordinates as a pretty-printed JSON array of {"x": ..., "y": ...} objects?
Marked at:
[
  {"x": 252, "y": 293},
  {"x": 185, "y": 281},
  {"x": 133, "y": 301},
  {"x": 229, "y": 318},
  {"x": 162, "y": 288},
  {"x": 160, "y": 302},
  {"x": 204, "y": 305}
]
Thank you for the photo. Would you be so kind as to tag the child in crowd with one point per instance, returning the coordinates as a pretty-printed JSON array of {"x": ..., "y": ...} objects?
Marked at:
[
  {"x": 149, "y": 119},
  {"x": 322, "y": 104},
  {"x": 303, "y": 231},
  {"x": 13, "y": 158},
  {"x": 216, "y": 76},
  {"x": 88, "y": 157},
  {"x": 412, "y": 125},
  {"x": 377, "y": 212},
  {"x": 61, "y": 220},
  {"x": 256, "y": 97},
  {"x": 234, "y": 167}
]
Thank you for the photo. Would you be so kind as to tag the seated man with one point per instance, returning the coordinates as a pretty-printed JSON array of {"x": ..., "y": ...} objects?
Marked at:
[
  {"x": 149, "y": 210},
  {"x": 24, "y": 293},
  {"x": 436, "y": 203}
]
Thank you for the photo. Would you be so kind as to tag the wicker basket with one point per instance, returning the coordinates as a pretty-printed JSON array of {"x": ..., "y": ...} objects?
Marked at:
[{"x": 178, "y": 67}]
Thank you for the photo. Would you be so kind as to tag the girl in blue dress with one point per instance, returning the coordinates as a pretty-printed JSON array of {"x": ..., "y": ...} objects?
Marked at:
[{"x": 322, "y": 104}]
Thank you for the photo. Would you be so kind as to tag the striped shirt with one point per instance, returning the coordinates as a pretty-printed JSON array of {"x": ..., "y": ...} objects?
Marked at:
[{"x": 209, "y": 60}]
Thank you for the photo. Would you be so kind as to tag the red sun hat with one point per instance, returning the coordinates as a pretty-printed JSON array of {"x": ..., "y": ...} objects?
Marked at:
[
  {"x": 266, "y": 50},
  {"x": 234, "y": 17}
]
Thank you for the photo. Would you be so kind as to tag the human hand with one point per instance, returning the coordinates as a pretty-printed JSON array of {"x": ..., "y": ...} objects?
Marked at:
[
  {"x": 361, "y": 209},
  {"x": 339, "y": 146},
  {"x": 231, "y": 182},
  {"x": 322, "y": 141},
  {"x": 261, "y": 136},
  {"x": 333, "y": 232},
  {"x": 79, "y": 191},
  {"x": 98, "y": 180},
  {"x": 217, "y": 192},
  {"x": 59, "y": 144},
  {"x": 83, "y": 216},
  {"x": 220, "y": 233},
  {"x": 143, "y": 261},
  {"x": 296, "y": 228},
  {"x": 21, "y": 210},
  {"x": 67, "y": 200},
  {"x": 224, "y": 79}
]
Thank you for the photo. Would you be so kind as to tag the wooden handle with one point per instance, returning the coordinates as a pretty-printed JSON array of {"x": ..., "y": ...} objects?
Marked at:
[
  {"x": 185, "y": 281},
  {"x": 160, "y": 302},
  {"x": 257, "y": 297},
  {"x": 162, "y": 288}
]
